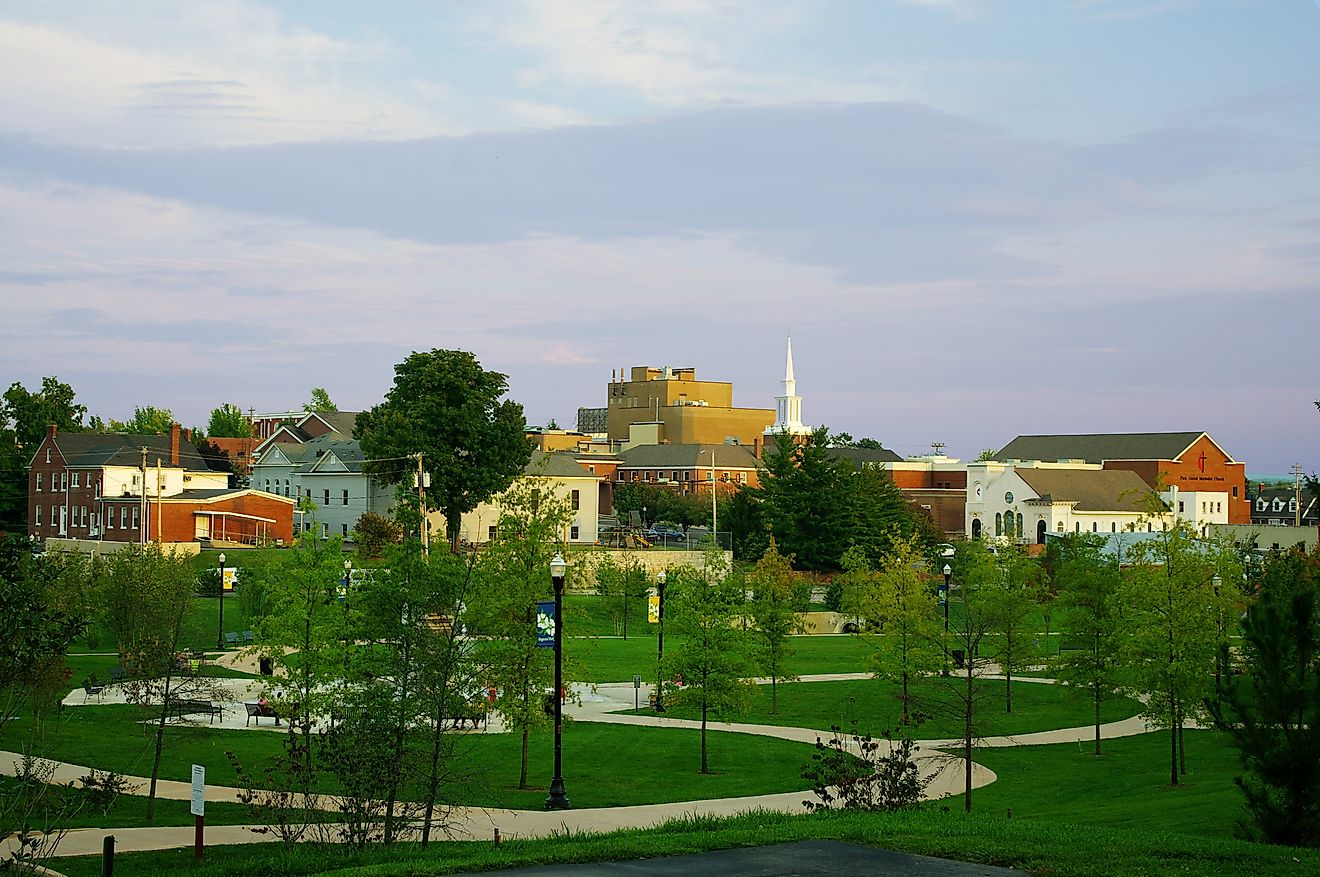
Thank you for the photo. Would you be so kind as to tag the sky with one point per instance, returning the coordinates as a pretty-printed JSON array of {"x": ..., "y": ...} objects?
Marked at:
[{"x": 977, "y": 219}]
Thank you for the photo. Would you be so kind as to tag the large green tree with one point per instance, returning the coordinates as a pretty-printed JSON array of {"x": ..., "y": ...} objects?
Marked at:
[
  {"x": 774, "y": 618},
  {"x": 146, "y": 420},
  {"x": 320, "y": 401},
  {"x": 446, "y": 407},
  {"x": 228, "y": 421},
  {"x": 24, "y": 417},
  {"x": 1272, "y": 712},
  {"x": 1011, "y": 600}
]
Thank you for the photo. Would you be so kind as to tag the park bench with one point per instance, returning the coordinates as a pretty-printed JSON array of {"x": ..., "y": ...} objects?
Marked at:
[
  {"x": 248, "y": 637},
  {"x": 92, "y": 686},
  {"x": 180, "y": 707},
  {"x": 257, "y": 710},
  {"x": 118, "y": 675},
  {"x": 231, "y": 639}
]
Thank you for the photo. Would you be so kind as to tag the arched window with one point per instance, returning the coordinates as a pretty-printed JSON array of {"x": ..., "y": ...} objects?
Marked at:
[
  {"x": 1077, "y": 527},
  {"x": 1060, "y": 527},
  {"x": 1095, "y": 527},
  {"x": 999, "y": 523},
  {"x": 1113, "y": 526},
  {"x": 1019, "y": 529},
  {"x": 976, "y": 528}
]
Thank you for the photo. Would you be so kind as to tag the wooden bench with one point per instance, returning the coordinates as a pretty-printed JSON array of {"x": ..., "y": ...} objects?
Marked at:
[
  {"x": 257, "y": 710},
  {"x": 182, "y": 707}
]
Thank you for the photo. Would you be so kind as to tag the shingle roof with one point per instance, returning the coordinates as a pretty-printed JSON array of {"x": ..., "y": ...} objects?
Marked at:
[
  {"x": 339, "y": 421},
  {"x": 1093, "y": 490},
  {"x": 556, "y": 464},
  {"x": 116, "y": 449},
  {"x": 346, "y": 450},
  {"x": 1098, "y": 447},
  {"x": 687, "y": 456},
  {"x": 861, "y": 456}
]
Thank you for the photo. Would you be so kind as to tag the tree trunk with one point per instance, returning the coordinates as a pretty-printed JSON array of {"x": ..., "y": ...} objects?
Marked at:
[
  {"x": 1182, "y": 745},
  {"x": 1097, "y": 718},
  {"x": 1008, "y": 689},
  {"x": 705, "y": 765},
  {"x": 774, "y": 697},
  {"x": 906, "y": 697},
  {"x": 522, "y": 774},
  {"x": 433, "y": 779},
  {"x": 1173, "y": 742},
  {"x": 160, "y": 745},
  {"x": 967, "y": 741}
]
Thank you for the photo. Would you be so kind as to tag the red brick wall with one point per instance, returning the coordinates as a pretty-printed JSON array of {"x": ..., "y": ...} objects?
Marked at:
[
  {"x": 180, "y": 524},
  {"x": 1202, "y": 467}
]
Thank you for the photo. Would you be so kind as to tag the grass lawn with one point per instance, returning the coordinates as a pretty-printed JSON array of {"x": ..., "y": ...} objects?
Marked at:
[
  {"x": 1059, "y": 850},
  {"x": 616, "y": 660},
  {"x": 130, "y": 811},
  {"x": 604, "y": 765},
  {"x": 1126, "y": 787},
  {"x": 200, "y": 626},
  {"x": 874, "y": 705}
]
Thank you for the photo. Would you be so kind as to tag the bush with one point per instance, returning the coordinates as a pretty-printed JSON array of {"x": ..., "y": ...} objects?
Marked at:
[
  {"x": 867, "y": 778},
  {"x": 834, "y": 596},
  {"x": 373, "y": 532},
  {"x": 208, "y": 583}
]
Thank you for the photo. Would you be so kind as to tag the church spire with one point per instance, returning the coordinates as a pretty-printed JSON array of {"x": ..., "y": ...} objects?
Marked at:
[{"x": 788, "y": 406}]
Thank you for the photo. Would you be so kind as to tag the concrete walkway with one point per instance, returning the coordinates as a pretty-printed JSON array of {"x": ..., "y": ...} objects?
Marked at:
[{"x": 600, "y": 703}]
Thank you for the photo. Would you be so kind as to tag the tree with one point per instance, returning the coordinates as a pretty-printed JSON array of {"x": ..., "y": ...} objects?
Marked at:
[
  {"x": 901, "y": 614},
  {"x": 446, "y": 407},
  {"x": 622, "y": 585},
  {"x": 513, "y": 573},
  {"x": 1173, "y": 590},
  {"x": 320, "y": 401},
  {"x": 1010, "y": 602},
  {"x": 32, "y": 413},
  {"x": 986, "y": 455},
  {"x": 228, "y": 421},
  {"x": 713, "y": 657},
  {"x": 147, "y": 420},
  {"x": 645, "y": 499},
  {"x": 1273, "y": 713},
  {"x": 774, "y": 617},
  {"x": 146, "y": 594},
  {"x": 1091, "y": 619}
]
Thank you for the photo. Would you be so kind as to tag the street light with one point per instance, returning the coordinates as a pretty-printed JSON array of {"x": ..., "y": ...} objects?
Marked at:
[
  {"x": 558, "y": 800},
  {"x": 660, "y": 642},
  {"x": 944, "y": 598},
  {"x": 343, "y": 600},
  {"x": 714, "y": 518},
  {"x": 220, "y": 630}
]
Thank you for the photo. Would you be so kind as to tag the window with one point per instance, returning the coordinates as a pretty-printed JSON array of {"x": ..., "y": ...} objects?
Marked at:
[
  {"x": 110, "y": 519},
  {"x": 999, "y": 523},
  {"x": 325, "y": 531},
  {"x": 646, "y": 476},
  {"x": 83, "y": 516},
  {"x": 1060, "y": 527},
  {"x": 1235, "y": 491},
  {"x": 75, "y": 479},
  {"x": 573, "y": 532},
  {"x": 1077, "y": 528},
  {"x": 673, "y": 476},
  {"x": 38, "y": 482},
  {"x": 687, "y": 476},
  {"x": 344, "y": 498},
  {"x": 577, "y": 500},
  {"x": 64, "y": 481},
  {"x": 591, "y": 468},
  {"x": 1148, "y": 527},
  {"x": 742, "y": 477},
  {"x": 286, "y": 487},
  {"x": 490, "y": 536},
  {"x": 37, "y": 521},
  {"x": 123, "y": 517},
  {"x": 344, "y": 528},
  {"x": 1019, "y": 524},
  {"x": 326, "y": 494},
  {"x": 1095, "y": 528},
  {"x": 1180, "y": 506},
  {"x": 1113, "y": 526},
  {"x": 1219, "y": 506}
]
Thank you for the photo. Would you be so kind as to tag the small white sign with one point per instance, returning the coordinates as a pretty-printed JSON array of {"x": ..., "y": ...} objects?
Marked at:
[{"x": 198, "y": 807}]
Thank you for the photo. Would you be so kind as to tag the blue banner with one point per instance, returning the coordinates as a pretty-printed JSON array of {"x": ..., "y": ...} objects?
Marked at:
[{"x": 545, "y": 624}]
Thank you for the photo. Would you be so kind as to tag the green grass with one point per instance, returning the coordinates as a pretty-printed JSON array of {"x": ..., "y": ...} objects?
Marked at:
[
  {"x": 616, "y": 660},
  {"x": 1059, "y": 850},
  {"x": 1126, "y": 787},
  {"x": 604, "y": 765},
  {"x": 874, "y": 705},
  {"x": 201, "y": 625},
  {"x": 130, "y": 811}
]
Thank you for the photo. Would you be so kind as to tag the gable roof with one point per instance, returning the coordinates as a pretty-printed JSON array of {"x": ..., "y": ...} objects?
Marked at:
[
  {"x": 688, "y": 456},
  {"x": 338, "y": 421},
  {"x": 862, "y": 456},
  {"x": 1092, "y": 490},
  {"x": 117, "y": 449},
  {"x": 556, "y": 464},
  {"x": 1098, "y": 447}
]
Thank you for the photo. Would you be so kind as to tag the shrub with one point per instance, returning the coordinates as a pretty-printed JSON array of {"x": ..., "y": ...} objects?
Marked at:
[{"x": 373, "y": 532}]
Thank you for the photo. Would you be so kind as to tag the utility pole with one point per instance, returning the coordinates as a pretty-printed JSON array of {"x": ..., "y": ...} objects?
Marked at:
[
  {"x": 159, "y": 517},
  {"x": 714, "y": 518},
  {"x": 421, "y": 504},
  {"x": 142, "y": 500},
  {"x": 1297, "y": 493}
]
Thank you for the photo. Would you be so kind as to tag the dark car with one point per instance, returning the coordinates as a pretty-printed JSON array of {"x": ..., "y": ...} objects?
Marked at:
[{"x": 665, "y": 534}]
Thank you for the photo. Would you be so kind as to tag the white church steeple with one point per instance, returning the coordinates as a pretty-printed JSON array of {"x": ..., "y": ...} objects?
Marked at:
[{"x": 788, "y": 407}]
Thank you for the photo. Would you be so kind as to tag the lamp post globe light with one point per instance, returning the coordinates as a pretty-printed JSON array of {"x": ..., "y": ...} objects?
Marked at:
[
  {"x": 944, "y": 598},
  {"x": 558, "y": 800},
  {"x": 220, "y": 628},
  {"x": 660, "y": 641}
]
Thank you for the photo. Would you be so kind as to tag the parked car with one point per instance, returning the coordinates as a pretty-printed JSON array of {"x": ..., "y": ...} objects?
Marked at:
[{"x": 665, "y": 535}]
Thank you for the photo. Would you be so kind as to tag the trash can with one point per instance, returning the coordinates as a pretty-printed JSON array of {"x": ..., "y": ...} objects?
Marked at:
[
  {"x": 958, "y": 657},
  {"x": 267, "y": 667}
]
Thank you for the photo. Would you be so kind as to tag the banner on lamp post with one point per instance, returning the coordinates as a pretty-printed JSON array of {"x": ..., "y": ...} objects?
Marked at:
[
  {"x": 545, "y": 624},
  {"x": 653, "y": 609}
]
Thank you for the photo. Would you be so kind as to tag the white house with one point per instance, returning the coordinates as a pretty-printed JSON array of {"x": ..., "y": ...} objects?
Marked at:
[
  {"x": 562, "y": 475},
  {"x": 325, "y": 472}
]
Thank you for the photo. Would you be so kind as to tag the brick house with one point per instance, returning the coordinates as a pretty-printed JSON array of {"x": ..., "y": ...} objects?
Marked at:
[{"x": 138, "y": 488}]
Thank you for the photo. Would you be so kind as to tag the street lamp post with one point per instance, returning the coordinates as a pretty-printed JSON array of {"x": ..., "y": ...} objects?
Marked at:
[
  {"x": 944, "y": 598},
  {"x": 660, "y": 642},
  {"x": 220, "y": 630},
  {"x": 348, "y": 578},
  {"x": 558, "y": 800}
]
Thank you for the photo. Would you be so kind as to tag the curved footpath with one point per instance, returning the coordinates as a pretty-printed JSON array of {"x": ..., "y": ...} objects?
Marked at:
[{"x": 598, "y": 704}]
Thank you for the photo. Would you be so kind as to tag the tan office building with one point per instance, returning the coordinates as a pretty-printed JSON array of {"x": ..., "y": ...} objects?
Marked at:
[{"x": 659, "y": 405}]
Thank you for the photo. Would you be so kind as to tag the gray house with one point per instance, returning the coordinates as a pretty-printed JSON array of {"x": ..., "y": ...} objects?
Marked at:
[{"x": 325, "y": 475}]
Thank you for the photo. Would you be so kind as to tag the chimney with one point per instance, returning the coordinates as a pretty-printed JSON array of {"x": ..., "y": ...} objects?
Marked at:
[
  {"x": 174, "y": 444},
  {"x": 187, "y": 435},
  {"x": 51, "y": 430}
]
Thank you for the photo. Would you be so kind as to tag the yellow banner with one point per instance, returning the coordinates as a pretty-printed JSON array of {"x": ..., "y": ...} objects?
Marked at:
[
  {"x": 653, "y": 610},
  {"x": 230, "y": 575}
]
